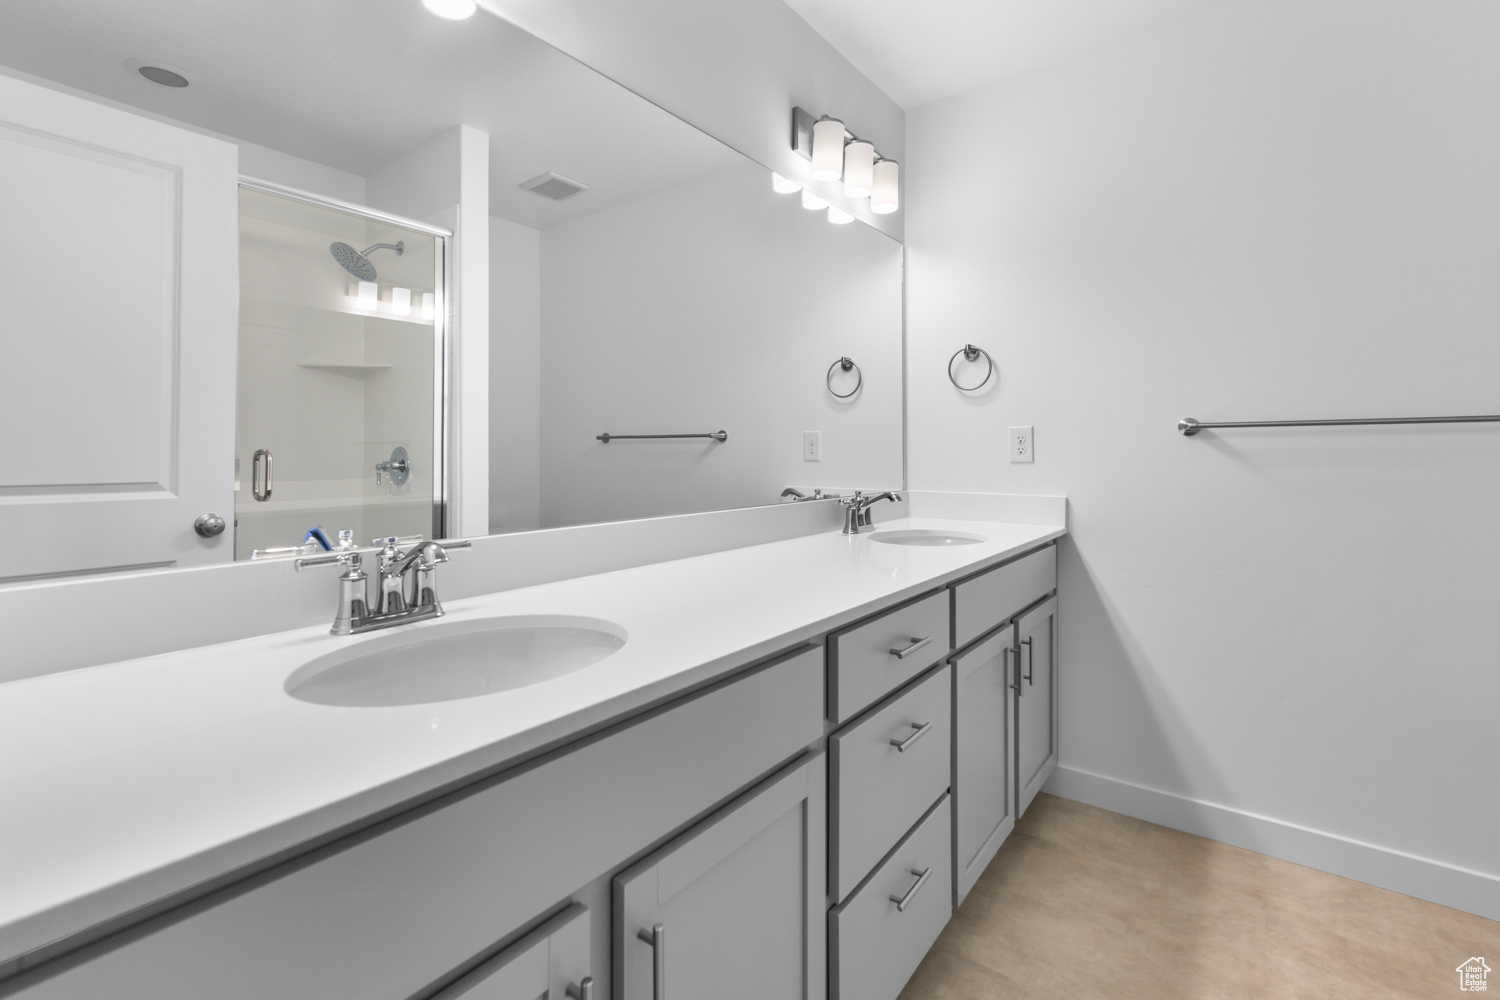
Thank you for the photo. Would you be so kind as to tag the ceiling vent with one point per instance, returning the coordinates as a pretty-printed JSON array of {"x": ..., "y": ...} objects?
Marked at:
[{"x": 554, "y": 186}]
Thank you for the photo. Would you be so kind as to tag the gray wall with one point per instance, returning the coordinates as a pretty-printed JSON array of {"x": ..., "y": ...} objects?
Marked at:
[{"x": 1278, "y": 209}]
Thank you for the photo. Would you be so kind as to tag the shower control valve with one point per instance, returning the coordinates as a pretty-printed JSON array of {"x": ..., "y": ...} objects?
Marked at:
[{"x": 397, "y": 466}]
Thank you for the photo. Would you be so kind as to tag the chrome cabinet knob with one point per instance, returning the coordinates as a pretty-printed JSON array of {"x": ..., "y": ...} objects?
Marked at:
[{"x": 209, "y": 525}]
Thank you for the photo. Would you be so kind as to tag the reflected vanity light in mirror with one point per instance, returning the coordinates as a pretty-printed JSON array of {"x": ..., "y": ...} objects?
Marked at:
[
  {"x": 812, "y": 202},
  {"x": 828, "y": 149},
  {"x": 401, "y": 301},
  {"x": 453, "y": 10},
  {"x": 368, "y": 295},
  {"x": 782, "y": 185},
  {"x": 428, "y": 308},
  {"x": 838, "y": 216},
  {"x": 859, "y": 169},
  {"x": 885, "y": 197}
]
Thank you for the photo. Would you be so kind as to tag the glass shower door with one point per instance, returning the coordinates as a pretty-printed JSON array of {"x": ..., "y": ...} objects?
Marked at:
[{"x": 339, "y": 388}]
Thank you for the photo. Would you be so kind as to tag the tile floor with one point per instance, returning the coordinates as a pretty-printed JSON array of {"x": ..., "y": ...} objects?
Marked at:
[{"x": 1085, "y": 903}]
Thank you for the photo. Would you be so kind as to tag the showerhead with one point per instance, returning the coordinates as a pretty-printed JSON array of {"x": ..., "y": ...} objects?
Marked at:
[{"x": 357, "y": 262}]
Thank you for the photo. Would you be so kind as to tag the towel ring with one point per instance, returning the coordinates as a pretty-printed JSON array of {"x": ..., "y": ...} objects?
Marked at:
[
  {"x": 971, "y": 353},
  {"x": 845, "y": 364}
]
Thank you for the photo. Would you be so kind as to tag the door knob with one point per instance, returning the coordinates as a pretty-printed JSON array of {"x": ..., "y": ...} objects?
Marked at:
[{"x": 209, "y": 525}]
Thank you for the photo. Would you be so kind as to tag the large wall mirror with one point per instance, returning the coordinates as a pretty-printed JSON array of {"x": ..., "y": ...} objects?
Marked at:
[{"x": 266, "y": 242}]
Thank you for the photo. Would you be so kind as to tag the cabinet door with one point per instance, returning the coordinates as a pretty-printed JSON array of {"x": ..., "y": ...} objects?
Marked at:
[
  {"x": 984, "y": 794},
  {"x": 550, "y": 963},
  {"x": 1036, "y": 727},
  {"x": 732, "y": 909}
]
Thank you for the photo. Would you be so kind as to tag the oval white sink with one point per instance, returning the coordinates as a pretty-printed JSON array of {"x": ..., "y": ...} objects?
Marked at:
[
  {"x": 453, "y": 660},
  {"x": 926, "y": 536}
]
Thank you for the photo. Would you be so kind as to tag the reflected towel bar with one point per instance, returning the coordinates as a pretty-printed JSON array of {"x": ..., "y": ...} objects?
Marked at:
[
  {"x": 1189, "y": 426},
  {"x": 607, "y": 437}
]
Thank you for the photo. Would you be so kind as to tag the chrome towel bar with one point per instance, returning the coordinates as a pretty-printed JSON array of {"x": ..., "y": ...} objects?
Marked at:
[
  {"x": 1189, "y": 426},
  {"x": 607, "y": 437}
]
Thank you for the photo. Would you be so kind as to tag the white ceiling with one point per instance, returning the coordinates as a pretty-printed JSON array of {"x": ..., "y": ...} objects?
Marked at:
[
  {"x": 920, "y": 51},
  {"x": 355, "y": 84}
]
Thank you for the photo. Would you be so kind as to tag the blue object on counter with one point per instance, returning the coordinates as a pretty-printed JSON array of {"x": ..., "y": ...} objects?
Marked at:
[{"x": 317, "y": 534}]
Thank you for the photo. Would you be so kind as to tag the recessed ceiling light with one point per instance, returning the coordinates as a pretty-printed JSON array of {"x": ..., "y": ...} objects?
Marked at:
[
  {"x": 453, "y": 10},
  {"x": 158, "y": 72}
]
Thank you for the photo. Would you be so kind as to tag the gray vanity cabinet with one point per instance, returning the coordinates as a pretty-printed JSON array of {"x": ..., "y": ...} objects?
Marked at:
[
  {"x": 733, "y": 908},
  {"x": 1036, "y": 727},
  {"x": 550, "y": 963},
  {"x": 984, "y": 782}
]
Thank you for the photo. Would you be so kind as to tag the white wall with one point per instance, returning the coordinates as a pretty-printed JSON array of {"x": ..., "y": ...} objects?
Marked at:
[
  {"x": 717, "y": 305},
  {"x": 734, "y": 68},
  {"x": 515, "y": 376},
  {"x": 1280, "y": 209}
]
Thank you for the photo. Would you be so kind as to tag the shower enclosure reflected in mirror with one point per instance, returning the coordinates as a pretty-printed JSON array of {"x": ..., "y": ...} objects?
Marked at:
[
  {"x": 627, "y": 275},
  {"x": 340, "y": 374}
]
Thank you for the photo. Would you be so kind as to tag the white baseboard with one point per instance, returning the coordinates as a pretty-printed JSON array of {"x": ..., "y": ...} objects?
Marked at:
[{"x": 1449, "y": 885}]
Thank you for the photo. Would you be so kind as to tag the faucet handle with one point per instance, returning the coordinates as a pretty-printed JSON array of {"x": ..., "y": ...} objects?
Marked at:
[{"x": 349, "y": 559}]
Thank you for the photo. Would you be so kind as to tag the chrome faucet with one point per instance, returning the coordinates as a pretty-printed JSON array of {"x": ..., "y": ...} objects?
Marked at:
[
  {"x": 406, "y": 588},
  {"x": 857, "y": 509},
  {"x": 798, "y": 496}
]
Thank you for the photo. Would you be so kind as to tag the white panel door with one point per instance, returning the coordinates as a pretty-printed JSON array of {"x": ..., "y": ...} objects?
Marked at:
[{"x": 119, "y": 284}]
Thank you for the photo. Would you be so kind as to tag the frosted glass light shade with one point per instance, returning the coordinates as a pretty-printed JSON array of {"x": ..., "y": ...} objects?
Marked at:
[
  {"x": 838, "y": 216},
  {"x": 781, "y": 185},
  {"x": 429, "y": 307},
  {"x": 811, "y": 201},
  {"x": 859, "y": 169},
  {"x": 828, "y": 149},
  {"x": 885, "y": 193},
  {"x": 401, "y": 301},
  {"x": 368, "y": 295},
  {"x": 453, "y": 10}
]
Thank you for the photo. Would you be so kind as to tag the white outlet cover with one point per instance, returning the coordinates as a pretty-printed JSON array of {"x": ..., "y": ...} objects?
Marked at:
[
  {"x": 1022, "y": 444},
  {"x": 812, "y": 446}
]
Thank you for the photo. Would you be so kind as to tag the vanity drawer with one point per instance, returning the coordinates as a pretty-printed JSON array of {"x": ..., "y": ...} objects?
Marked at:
[
  {"x": 875, "y": 947},
  {"x": 391, "y": 911},
  {"x": 867, "y": 662},
  {"x": 981, "y": 603},
  {"x": 881, "y": 790}
]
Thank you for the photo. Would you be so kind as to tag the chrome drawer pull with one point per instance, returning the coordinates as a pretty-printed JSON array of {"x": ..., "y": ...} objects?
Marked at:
[
  {"x": 583, "y": 991},
  {"x": 1030, "y": 661},
  {"x": 904, "y": 745},
  {"x": 902, "y": 902},
  {"x": 656, "y": 937},
  {"x": 917, "y": 642}
]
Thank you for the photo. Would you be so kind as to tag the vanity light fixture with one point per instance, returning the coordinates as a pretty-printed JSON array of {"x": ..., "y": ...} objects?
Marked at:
[
  {"x": 827, "y": 149},
  {"x": 429, "y": 307},
  {"x": 401, "y": 301},
  {"x": 859, "y": 169},
  {"x": 812, "y": 202},
  {"x": 782, "y": 185},
  {"x": 838, "y": 216},
  {"x": 453, "y": 10},
  {"x": 836, "y": 152},
  {"x": 368, "y": 295},
  {"x": 885, "y": 194}
]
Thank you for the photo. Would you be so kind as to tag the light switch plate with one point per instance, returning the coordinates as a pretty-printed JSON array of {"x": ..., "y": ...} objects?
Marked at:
[
  {"x": 1022, "y": 444},
  {"x": 812, "y": 446}
]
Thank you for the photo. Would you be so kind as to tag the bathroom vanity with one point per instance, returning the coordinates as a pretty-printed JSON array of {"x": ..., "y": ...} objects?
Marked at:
[{"x": 797, "y": 762}]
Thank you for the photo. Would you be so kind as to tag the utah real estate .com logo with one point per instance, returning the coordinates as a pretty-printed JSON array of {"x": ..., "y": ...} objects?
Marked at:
[{"x": 1473, "y": 976}]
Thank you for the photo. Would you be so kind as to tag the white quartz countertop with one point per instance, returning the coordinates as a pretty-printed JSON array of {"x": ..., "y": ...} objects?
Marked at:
[{"x": 126, "y": 783}]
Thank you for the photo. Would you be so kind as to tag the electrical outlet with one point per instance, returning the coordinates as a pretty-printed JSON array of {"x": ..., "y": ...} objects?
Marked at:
[
  {"x": 812, "y": 446},
  {"x": 1022, "y": 444}
]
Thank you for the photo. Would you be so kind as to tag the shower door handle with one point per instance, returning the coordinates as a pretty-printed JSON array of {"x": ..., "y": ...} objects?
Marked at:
[{"x": 260, "y": 475}]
